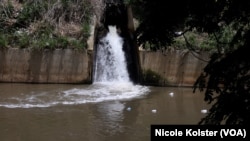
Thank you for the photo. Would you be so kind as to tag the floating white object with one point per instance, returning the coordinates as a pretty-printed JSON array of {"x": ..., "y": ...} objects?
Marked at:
[
  {"x": 129, "y": 109},
  {"x": 171, "y": 94},
  {"x": 154, "y": 111},
  {"x": 204, "y": 111},
  {"x": 178, "y": 33}
]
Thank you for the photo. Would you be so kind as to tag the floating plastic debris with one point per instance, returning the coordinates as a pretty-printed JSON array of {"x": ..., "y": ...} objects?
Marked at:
[
  {"x": 171, "y": 94},
  {"x": 204, "y": 111},
  {"x": 129, "y": 109},
  {"x": 154, "y": 111}
]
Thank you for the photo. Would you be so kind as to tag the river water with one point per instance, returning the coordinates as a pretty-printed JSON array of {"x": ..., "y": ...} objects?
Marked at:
[
  {"x": 63, "y": 112},
  {"x": 110, "y": 109}
]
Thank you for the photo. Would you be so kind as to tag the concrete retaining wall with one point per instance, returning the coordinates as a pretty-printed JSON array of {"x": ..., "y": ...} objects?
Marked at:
[
  {"x": 172, "y": 68},
  {"x": 176, "y": 68},
  {"x": 47, "y": 66}
]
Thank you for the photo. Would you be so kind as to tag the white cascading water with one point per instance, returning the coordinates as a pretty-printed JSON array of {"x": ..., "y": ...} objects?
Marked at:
[
  {"x": 110, "y": 59},
  {"x": 111, "y": 82}
]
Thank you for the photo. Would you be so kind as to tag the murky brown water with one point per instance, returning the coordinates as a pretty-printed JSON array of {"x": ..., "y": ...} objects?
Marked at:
[{"x": 104, "y": 120}]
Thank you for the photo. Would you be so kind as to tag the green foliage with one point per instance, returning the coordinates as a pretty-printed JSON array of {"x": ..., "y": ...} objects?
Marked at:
[
  {"x": 6, "y": 11},
  {"x": 197, "y": 41},
  {"x": 31, "y": 12},
  {"x": 152, "y": 78},
  {"x": 44, "y": 42},
  {"x": 62, "y": 42},
  {"x": 78, "y": 44},
  {"x": 86, "y": 30},
  {"x": 127, "y": 2},
  {"x": 159, "y": 20},
  {"x": 226, "y": 78},
  {"x": 23, "y": 40},
  {"x": 3, "y": 41},
  {"x": 208, "y": 44},
  {"x": 47, "y": 42},
  {"x": 6, "y": 14},
  {"x": 65, "y": 3},
  {"x": 45, "y": 23},
  {"x": 158, "y": 24},
  {"x": 226, "y": 81},
  {"x": 44, "y": 38}
]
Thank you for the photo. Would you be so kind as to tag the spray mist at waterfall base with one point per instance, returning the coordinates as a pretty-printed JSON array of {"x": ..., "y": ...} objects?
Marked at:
[
  {"x": 111, "y": 82},
  {"x": 44, "y": 95}
]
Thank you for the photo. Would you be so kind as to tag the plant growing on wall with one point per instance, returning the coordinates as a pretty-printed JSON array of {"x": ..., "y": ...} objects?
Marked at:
[{"x": 150, "y": 77}]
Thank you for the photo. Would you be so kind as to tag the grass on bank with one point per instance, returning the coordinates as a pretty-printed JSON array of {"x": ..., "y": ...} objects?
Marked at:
[{"x": 45, "y": 23}]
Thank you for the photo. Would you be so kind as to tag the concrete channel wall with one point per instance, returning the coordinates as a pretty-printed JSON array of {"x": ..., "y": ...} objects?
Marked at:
[
  {"x": 172, "y": 68},
  {"x": 46, "y": 66}
]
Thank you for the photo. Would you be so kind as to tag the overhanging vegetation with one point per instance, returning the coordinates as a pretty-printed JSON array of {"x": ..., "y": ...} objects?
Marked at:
[{"x": 45, "y": 23}]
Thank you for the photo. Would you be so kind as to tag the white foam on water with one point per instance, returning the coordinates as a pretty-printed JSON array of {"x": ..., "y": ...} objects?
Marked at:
[{"x": 95, "y": 93}]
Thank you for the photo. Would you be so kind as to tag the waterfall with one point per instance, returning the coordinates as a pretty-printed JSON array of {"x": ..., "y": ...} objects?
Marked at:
[
  {"x": 111, "y": 81},
  {"x": 110, "y": 63}
]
